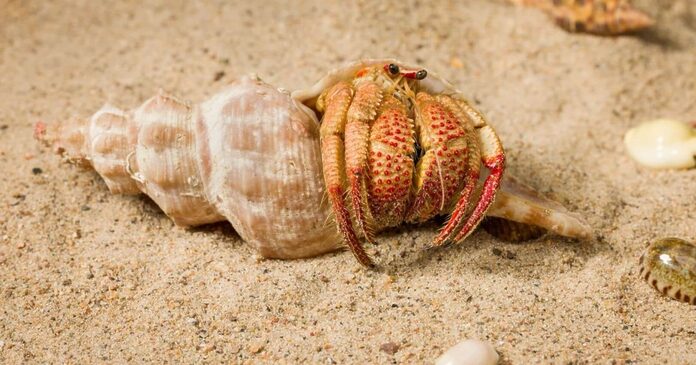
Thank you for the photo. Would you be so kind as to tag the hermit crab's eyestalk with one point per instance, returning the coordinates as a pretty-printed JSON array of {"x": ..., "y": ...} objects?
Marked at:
[
  {"x": 414, "y": 75},
  {"x": 392, "y": 68}
]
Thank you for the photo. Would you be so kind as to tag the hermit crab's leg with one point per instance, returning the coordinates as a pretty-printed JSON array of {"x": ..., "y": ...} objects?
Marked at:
[
  {"x": 335, "y": 106},
  {"x": 455, "y": 222},
  {"x": 361, "y": 113},
  {"x": 493, "y": 158}
]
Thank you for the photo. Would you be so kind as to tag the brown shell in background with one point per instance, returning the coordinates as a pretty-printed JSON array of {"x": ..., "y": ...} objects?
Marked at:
[{"x": 600, "y": 17}]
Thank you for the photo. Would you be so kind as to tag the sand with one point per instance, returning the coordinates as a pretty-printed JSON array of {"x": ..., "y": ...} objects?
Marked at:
[{"x": 90, "y": 277}]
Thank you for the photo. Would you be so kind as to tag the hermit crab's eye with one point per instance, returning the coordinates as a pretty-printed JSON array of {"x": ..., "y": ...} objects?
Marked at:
[
  {"x": 393, "y": 69},
  {"x": 421, "y": 74}
]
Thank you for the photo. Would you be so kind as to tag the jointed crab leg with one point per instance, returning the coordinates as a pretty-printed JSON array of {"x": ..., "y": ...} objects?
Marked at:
[
  {"x": 493, "y": 158},
  {"x": 454, "y": 224},
  {"x": 336, "y": 102},
  {"x": 362, "y": 111}
]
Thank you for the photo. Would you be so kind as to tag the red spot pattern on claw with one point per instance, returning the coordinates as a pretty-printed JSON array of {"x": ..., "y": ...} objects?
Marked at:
[
  {"x": 391, "y": 150},
  {"x": 442, "y": 171}
]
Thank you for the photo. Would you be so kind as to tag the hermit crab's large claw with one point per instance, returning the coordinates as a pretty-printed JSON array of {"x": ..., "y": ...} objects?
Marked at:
[{"x": 492, "y": 157}]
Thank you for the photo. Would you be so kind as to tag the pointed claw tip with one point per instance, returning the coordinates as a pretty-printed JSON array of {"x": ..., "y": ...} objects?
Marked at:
[
  {"x": 440, "y": 240},
  {"x": 366, "y": 262},
  {"x": 635, "y": 20}
]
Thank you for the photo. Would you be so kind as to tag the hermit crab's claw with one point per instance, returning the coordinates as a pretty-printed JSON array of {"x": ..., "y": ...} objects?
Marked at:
[{"x": 493, "y": 158}]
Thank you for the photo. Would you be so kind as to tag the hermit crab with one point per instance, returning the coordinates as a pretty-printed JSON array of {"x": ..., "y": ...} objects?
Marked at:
[
  {"x": 373, "y": 144},
  {"x": 407, "y": 155}
]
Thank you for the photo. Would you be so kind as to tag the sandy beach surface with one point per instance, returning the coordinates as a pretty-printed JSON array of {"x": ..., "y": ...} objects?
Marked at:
[{"x": 90, "y": 277}]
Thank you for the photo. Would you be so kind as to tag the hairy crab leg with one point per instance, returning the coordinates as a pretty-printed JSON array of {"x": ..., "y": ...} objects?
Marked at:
[
  {"x": 493, "y": 158},
  {"x": 455, "y": 222},
  {"x": 361, "y": 113},
  {"x": 335, "y": 105}
]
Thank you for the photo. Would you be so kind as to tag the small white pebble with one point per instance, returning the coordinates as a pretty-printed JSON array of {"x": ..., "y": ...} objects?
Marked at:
[
  {"x": 662, "y": 144},
  {"x": 192, "y": 321},
  {"x": 469, "y": 352}
]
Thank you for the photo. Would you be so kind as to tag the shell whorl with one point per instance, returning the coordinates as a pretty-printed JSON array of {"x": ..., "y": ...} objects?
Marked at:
[{"x": 266, "y": 179}]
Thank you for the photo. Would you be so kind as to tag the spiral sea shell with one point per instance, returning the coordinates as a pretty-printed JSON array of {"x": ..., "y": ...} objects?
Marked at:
[
  {"x": 669, "y": 266},
  {"x": 250, "y": 155}
]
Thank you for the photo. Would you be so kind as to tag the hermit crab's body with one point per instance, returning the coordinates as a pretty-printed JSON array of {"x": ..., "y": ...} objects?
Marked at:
[
  {"x": 252, "y": 155},
  {"x": 401, "y": 154}
]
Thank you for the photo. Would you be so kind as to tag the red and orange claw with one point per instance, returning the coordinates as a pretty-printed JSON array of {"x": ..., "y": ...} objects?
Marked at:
[
  {"x": 442, "y": 170},
  {"x": 485, "y": 146},
  {"x": 456, "y": 220},
  {"x": 391, "y": 163}
]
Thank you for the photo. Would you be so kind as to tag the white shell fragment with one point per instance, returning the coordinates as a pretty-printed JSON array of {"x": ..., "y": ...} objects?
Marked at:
[
  {"x": 469, "y": 352},
  {"x": 663, "y": 144}
]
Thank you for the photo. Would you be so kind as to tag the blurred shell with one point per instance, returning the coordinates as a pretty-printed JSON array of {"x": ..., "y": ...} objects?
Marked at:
[
  {"x": 469, "y": 352},
  {"x": 669, "y": 266},
  {"x": 662, "y": 144}
]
